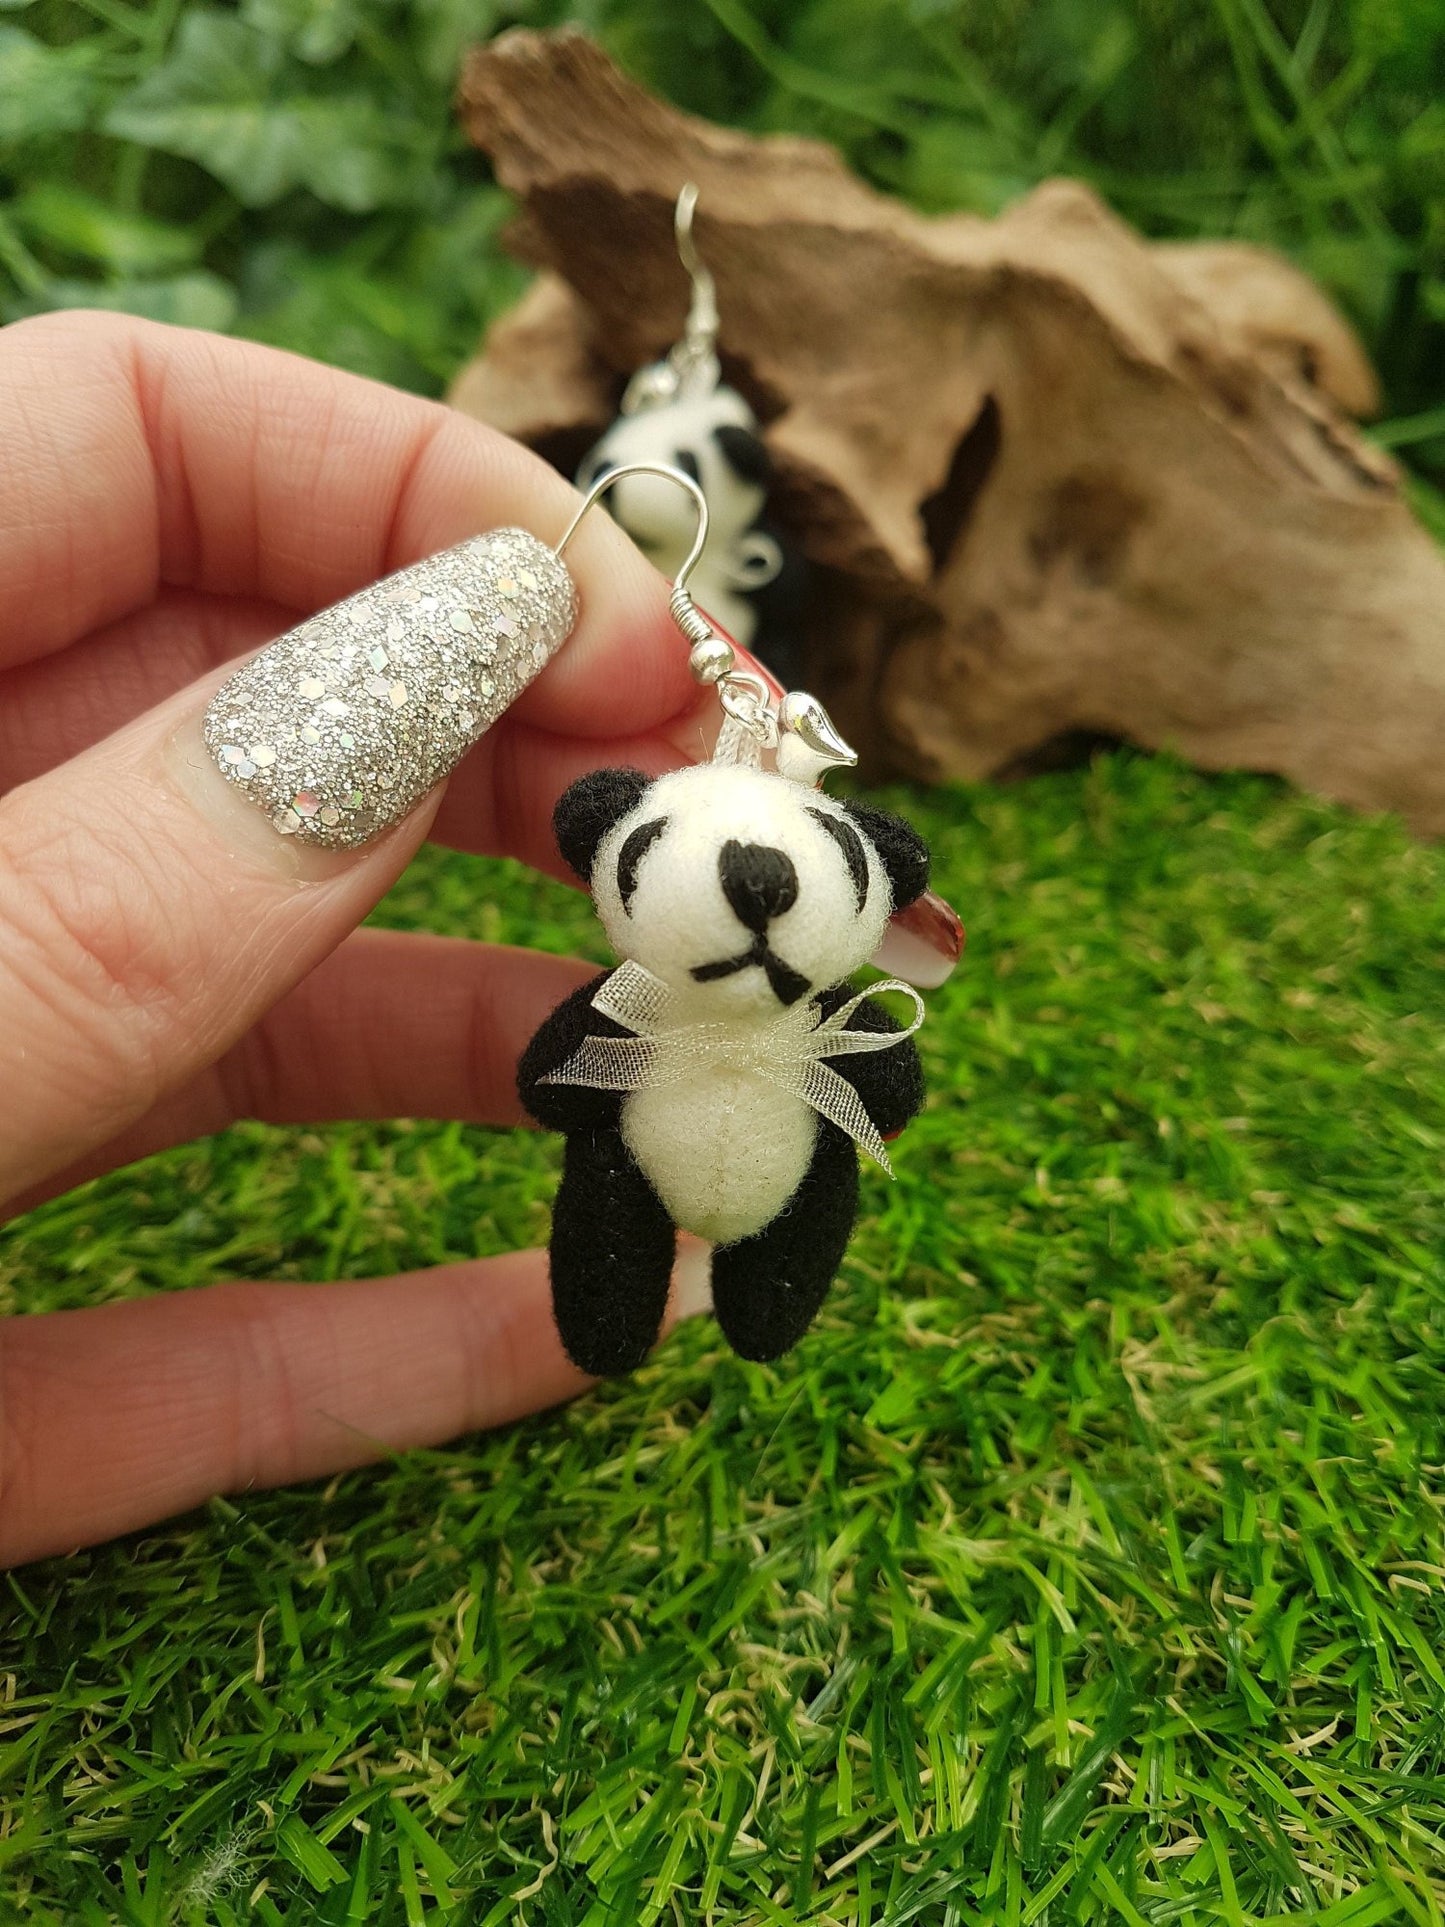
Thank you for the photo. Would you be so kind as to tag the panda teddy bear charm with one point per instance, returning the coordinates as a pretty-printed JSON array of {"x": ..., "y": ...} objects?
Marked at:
[
  {"x": 722, "y": 1078},
  {"x": 719, "y": 1078},
  {"x": 681, "y": 412}
]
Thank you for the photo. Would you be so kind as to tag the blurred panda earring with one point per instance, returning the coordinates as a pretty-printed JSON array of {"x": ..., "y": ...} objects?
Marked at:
[
  {"x": 722, "y": 1077},
  {"x": 680, "y": 412}
]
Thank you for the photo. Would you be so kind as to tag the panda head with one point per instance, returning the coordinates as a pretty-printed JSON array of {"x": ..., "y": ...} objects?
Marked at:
[{"x": 741, "y": 890}]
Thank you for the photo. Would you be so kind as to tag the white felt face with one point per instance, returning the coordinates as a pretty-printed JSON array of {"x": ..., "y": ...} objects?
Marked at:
[{"x": 741, "y": 890}]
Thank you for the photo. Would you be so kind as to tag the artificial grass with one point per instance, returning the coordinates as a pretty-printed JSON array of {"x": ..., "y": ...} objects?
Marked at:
[{"x": 1085, "y": 1563}]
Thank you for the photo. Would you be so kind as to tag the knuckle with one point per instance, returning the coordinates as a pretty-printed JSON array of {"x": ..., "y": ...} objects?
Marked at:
[
  {"x": 258, "y": 1414},
  {"x": 87, "y": 940},
  {"x": 71, "y": 447},
  {"x": 66, "y": 329}
]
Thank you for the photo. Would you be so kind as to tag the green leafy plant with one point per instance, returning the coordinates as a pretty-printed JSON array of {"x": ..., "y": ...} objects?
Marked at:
[{"x": 291, "y": 168}]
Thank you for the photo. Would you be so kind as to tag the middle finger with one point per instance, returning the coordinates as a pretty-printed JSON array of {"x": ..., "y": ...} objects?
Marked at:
[{"x": 391, "y": 1024}]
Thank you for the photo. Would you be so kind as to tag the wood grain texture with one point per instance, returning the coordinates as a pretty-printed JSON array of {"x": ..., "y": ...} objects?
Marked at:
[{"x": 1058, "y": 482}]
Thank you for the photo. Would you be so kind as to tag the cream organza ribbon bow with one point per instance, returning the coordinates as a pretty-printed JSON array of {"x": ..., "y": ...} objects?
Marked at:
[{"x": 787, "y": 1050}]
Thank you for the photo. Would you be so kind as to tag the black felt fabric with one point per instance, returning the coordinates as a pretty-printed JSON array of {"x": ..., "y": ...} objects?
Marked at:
[
  {"x": 635, "y": 846},
  {"x": 781, "y": 608},
  {"x": 746, "y": 452},
  {"x": 788, "y": 985},
  {"x": 890, "y": 1082},
  {"x": 587, "y": 810},
  {"x": 612, "y": 1254},
  {"x": 759, "y": 882},
  {"x": 568, "y": 1107},
  {"x": 903, "y": 852},
  {"x": 767, "y": 1288},
  {"x": 851, "y": 844},
  {"x": 613, "y": 1242}
]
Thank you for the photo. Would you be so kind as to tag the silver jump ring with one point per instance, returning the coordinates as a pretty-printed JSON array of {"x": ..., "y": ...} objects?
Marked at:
[{"x": 744, "y": 697}]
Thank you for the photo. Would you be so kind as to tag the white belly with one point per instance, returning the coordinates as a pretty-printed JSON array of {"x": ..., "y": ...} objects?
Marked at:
[{"x": 723, "y": 1149}]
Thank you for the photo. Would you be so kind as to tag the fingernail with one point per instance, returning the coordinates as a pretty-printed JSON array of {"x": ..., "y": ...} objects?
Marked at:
[{"x": 338, "y": 728}]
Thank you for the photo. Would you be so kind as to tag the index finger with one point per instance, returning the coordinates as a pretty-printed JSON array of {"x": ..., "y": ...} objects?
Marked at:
[{"x": 140, "y": 456}]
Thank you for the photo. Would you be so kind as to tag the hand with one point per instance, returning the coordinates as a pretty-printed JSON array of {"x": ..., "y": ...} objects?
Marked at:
[{"x": 168, "y": 963}]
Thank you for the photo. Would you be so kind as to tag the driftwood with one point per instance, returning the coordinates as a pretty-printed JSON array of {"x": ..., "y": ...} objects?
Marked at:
[{"x": 1059, "y": 483}]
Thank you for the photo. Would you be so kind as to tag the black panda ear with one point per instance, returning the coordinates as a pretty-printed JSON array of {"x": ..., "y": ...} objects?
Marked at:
[
  {"x": 588, "y": 809},
  {"x": 746, "y": 452},
  {"x": 902, "y": 851}
]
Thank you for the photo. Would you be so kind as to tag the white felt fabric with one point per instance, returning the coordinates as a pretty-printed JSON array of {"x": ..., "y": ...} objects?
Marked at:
[
  {"x": 725, "y": 1151},
  {"x": 678, "y": 916}
]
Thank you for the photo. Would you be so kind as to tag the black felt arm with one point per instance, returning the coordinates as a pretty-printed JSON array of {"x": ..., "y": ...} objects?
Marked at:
[
  {"x": 890, "y": 1082},
  {"x": 568, "y": 1107}
]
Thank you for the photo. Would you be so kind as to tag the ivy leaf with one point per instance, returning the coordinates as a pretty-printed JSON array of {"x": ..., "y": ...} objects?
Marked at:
[
  {"x": 955, "y": 163},
  {"x": 334, "y": 308},
  {"x": 43, "y": 90},
  {"x": 55, "y": 215},
  {"x": 316, "y": 31},
  {"x": 407, "y": 312},
  {"x": 231, "y": 99}
]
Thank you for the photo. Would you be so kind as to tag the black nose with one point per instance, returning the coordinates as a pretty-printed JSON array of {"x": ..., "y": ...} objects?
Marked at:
[{"x": 759, "y": 883}]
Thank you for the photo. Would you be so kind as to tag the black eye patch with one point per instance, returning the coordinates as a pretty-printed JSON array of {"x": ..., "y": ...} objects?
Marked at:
[
  {"x": 851, "y": 844},
  {"x": 594, "y": 468},
  {"x": 746, "y": 453},
  {"x": 635, "y": 846}
]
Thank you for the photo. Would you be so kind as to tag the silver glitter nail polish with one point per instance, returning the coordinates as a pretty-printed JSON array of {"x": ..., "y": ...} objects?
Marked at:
[{"x": 342, "y": 725}]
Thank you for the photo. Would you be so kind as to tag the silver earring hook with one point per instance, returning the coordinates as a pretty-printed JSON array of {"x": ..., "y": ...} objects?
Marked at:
[
  {"x": 798, "y": 728},
  {"x": 691, "y": 366},
  {"x": 668, "y": 474},
  {"x": 713, "y": 659},
  {"x": 701, "y": 331}
]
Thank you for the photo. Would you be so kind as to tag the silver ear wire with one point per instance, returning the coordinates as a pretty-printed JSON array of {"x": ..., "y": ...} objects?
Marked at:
[
  {"x": 798, "y": 727},
  {"x": 669, "y": 474},
  {"x": 691, "y": 367},
  {"x": 713, "y": 658},
  {"x": 699, "y": 336}
]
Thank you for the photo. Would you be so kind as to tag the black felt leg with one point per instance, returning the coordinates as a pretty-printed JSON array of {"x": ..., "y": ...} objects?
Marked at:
[
  {"x": 766, "y": 1289},
  {"x": 612, "y": 1252}
]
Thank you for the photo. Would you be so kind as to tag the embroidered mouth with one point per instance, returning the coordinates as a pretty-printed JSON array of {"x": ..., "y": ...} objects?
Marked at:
[{"x": 786, "y": 984}]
